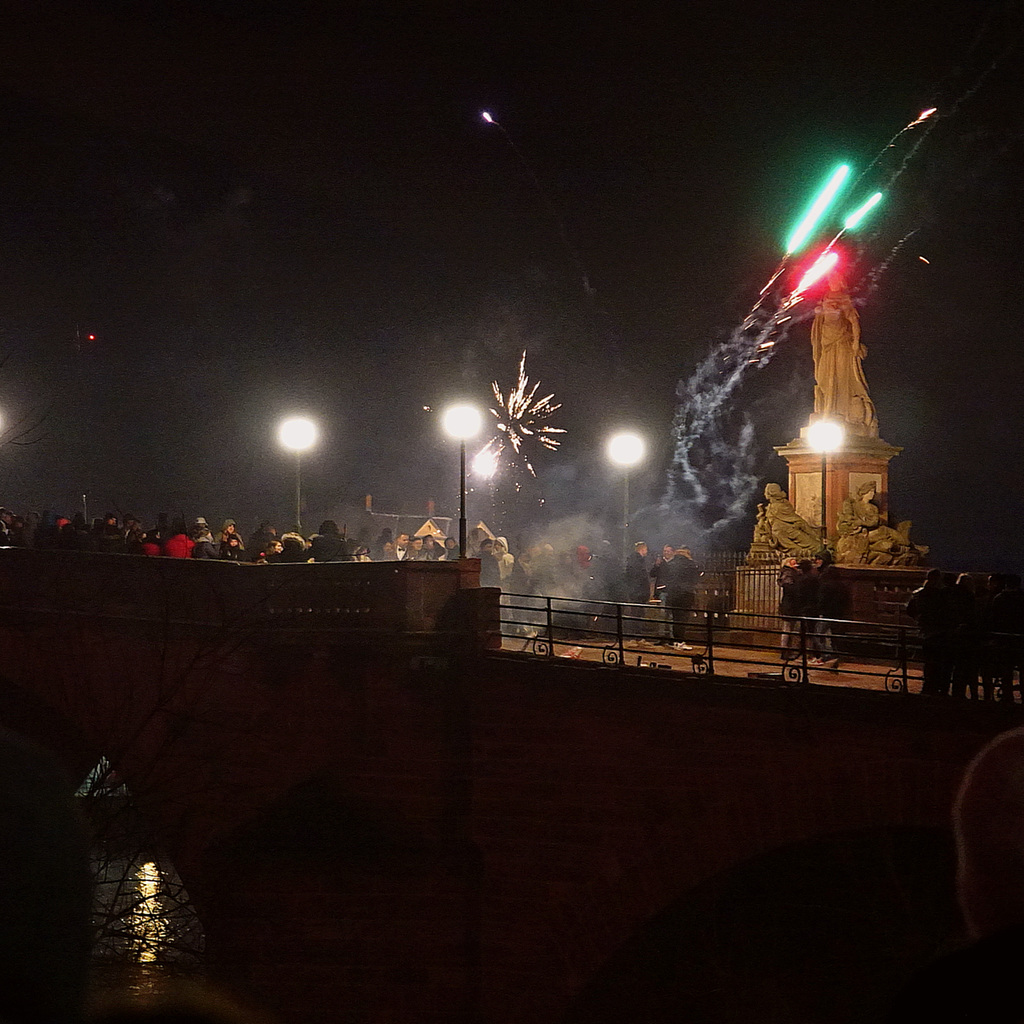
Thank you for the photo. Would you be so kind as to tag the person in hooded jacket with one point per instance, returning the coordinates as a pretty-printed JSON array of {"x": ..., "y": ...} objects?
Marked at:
[
  {"x": 228, "y": 530},
  {"x": 293, "y": 549},
  {"x": 506, "y": 561}
]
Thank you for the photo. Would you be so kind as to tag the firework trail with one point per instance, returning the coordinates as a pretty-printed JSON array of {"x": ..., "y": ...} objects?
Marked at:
[
  {"x": 521, "y": 420},
  {"x": 556, "y": 217},
  {"x": 909, "y": 156},
  {"x": 711, "y": 479},
  {"x": 875, "y": 275},
  {"x": 824, "y": 200},
  {"x": 925, "y": 115},
  {"x": 953, "y": 108},
  {"x": 1011, "y": 32}
]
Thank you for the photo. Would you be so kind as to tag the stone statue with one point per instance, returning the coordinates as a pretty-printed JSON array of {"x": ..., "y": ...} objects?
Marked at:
[
  {"x": 840, "y": 389},
  {"x": 865, "y": 540},
  {"x": 762, "y": 531},
  {"x": 788, "y": 532},
  {"x": 762, "y": 550}
]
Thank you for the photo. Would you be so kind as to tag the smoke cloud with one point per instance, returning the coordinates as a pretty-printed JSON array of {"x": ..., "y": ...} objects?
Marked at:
[{"x": 712, "y": 478}]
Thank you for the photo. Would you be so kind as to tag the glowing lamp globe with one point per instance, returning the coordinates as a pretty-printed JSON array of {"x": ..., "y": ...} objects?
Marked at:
[
  {"x": 626, "y": 449},
  {"x": 297, "y": 434},
  {"x": 825, "y": 435},
  {"x": 462, "y": 422}
]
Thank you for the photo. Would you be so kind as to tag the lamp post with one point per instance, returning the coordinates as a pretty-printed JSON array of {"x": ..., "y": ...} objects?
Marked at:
[
  {"x": 825, "y": 436},
  {"x": 626, "y": 450},
  {"x": 462, "y": 422},
  {"x": 298, "y": 434}
]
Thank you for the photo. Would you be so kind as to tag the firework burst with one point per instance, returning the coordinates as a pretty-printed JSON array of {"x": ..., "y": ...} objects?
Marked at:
[{"x": 521, "y": 421}]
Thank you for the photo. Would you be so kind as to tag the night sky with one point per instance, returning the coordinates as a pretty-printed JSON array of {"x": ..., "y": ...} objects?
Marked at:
[{"x": 269, "y": 208}]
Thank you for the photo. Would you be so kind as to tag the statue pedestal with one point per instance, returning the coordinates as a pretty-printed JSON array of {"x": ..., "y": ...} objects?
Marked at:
[
  {"x": 877, "y": 594},
  {"x": 859, "y": 460}
]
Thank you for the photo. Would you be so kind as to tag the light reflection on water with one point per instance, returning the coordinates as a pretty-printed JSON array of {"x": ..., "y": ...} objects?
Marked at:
[
  {"x": 143, "y": 914},
  {"x": 146, "y": 924},
  {"x": 147, "y": 932}
]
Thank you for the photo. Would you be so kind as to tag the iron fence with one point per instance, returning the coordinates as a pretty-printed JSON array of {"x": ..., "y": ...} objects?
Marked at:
[{"x": 710, "y": 641}]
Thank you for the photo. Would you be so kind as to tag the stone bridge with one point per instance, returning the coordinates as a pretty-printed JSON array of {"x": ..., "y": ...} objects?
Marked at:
[{"x": 379, "y": 817}]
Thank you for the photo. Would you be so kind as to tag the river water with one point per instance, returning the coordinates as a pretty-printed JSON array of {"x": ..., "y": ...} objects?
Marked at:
[{"x": 145, "y": 927}]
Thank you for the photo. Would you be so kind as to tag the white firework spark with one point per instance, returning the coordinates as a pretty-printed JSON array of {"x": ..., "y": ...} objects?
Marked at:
[{"x": 521, "y": 419}]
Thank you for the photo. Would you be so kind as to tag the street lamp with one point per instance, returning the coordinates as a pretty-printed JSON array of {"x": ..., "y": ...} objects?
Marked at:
[
  {"x": 462, "y": 422},
  {"x": 626, "y": 450},
  {"x": 298, "y": 434},
  {"x": 825, "y": 436}
]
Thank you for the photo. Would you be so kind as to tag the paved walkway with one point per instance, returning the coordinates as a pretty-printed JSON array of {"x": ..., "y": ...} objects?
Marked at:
[{"x": 735, "y": 662}]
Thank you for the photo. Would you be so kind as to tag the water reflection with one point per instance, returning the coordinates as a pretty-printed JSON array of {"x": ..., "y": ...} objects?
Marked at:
[
  {"x": 142, "y": 912},
  {"x": 145, "y": 926},
  {"x": 146, "y": 923}
]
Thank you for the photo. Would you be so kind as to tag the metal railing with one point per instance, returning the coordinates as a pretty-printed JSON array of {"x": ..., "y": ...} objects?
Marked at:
[{"x": 709, "y": 642}]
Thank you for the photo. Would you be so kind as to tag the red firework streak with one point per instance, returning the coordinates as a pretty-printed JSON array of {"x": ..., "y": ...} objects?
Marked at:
[{"x": 822, "y": 266}]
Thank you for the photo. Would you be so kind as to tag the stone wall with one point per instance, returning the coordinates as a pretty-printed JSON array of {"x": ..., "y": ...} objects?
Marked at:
[{"x": 400, "y": 830}]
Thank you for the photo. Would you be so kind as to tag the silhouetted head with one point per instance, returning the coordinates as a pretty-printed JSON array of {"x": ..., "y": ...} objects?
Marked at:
[{"x": 988, "y": 819}]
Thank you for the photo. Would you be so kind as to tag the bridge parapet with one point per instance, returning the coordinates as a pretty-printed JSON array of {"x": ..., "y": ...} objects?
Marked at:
[{"x": 366, "y": 598}]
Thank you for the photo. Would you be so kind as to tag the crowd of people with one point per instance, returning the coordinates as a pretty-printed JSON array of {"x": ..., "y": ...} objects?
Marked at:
[
  {"x": 176, "y": 538},
  {"x": 813, "y": 595},
  {"x": 970, "y": 635},
  {"x": 574, "y": 571},
  {"x": 671, "y": 579},
  {"x": 962, "y": 627}
]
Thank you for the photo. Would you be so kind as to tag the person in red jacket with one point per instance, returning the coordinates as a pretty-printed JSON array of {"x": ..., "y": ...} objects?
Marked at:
[
  {"x": 179, "y": 544},
  {"x": 151, "y": 543}
]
